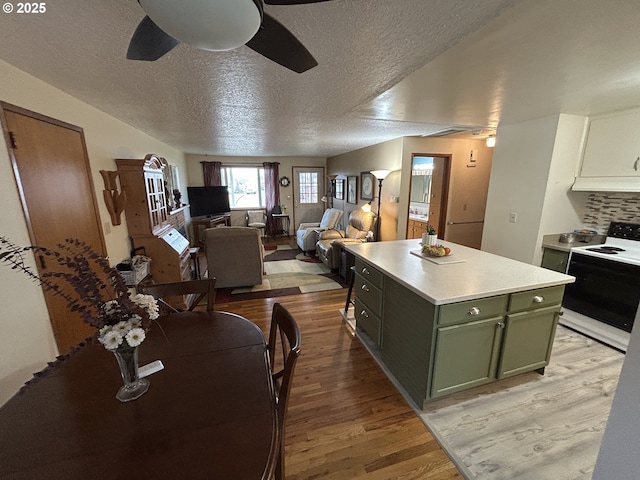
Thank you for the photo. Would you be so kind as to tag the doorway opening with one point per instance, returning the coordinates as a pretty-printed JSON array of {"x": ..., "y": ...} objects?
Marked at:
[{"x": 428, "y": 194}]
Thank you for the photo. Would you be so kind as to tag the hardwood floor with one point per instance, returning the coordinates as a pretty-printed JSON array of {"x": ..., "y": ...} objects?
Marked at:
[{"x": 346, "y": 420}]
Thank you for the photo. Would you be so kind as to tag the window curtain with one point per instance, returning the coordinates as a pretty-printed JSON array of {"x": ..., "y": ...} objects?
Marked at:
[
  {"x": 271, "y": 193},
  {"x": 212, "y": 173}
]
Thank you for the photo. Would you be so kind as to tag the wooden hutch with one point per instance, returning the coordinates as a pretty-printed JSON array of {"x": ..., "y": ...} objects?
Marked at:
[{"x": 151, "y": 224}]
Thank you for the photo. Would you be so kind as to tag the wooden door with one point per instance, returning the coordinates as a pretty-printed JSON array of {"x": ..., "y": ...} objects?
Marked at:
[{"x": 53, "y": 176}]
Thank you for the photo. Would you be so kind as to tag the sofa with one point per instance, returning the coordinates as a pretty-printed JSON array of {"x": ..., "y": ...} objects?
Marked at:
[
  {"x": 361, "y": 222},
  {"x": 235, "y": 256},
  {"x": 306, "y": 233}
]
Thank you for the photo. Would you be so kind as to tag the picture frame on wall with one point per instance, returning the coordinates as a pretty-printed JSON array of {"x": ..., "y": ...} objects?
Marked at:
[
  {"x": 352, "y": 190},
  {"x": 339, "y": 192},
  {"x": 367, "y": 181}
]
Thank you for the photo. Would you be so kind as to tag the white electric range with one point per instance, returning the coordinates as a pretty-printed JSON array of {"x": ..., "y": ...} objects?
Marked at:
[{"x": 603, "y": 301}]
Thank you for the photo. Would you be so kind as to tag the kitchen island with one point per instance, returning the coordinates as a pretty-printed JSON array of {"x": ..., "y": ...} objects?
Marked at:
[{"x": 444, "y": 324}]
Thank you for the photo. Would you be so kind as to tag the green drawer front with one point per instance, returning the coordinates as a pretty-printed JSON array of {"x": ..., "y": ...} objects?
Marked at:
[
  {"x": 367, "y": 321},
  {"x": 372, "y": 275},
  {"x": 541, "y": 297},
  {"x": 472, "y": 310},
  {"x": 368, "y": 294}
]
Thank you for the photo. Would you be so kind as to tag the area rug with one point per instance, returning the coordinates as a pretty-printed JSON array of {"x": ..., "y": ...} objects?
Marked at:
[
  {"x": 537, "y": 427},
  {"x": 287, "y": 272}
]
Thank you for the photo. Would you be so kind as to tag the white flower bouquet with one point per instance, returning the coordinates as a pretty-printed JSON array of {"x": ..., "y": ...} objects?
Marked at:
[{"x": 128, "y": 330}]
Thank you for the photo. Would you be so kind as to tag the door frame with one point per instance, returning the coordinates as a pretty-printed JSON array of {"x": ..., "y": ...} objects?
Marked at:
[{"x": 444, "y": 196}]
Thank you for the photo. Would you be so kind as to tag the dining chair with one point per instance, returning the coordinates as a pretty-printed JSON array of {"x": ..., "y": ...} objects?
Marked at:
[
  {"x": 191, "y": 292},
  {"x": 284, "y": 335}
]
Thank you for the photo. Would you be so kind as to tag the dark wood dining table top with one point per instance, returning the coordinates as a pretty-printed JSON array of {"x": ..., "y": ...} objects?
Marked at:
[{"x": 208, "y": 414}]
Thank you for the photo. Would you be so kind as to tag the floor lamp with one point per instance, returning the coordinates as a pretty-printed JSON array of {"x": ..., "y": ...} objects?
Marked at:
[{"x": 380, "y": 175}]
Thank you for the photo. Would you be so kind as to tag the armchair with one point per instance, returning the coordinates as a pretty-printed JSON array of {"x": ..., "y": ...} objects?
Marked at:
[
  {"x": 306, "y": 233},
  {"x": 257, "y": 219},
  {"x": 234, "y": 256},
  {"x": 360, "y": 223}
]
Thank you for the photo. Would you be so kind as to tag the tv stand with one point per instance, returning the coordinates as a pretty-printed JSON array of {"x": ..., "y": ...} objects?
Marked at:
[{"x": 200, "y": 224}]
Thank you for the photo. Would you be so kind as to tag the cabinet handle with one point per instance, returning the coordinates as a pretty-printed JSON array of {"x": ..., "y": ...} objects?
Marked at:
[
  {"x": 364, "y": 288},
  {"x": 501, "y": 324},
  {"x": 538, "y": 299},
  {"x": 365, "y": 271},
  {"x": 474, "y": 311},
  {"x": 43, "y": 264},
  {"x": 635, "y": 164},
  {"x": 364, "y": 314}
]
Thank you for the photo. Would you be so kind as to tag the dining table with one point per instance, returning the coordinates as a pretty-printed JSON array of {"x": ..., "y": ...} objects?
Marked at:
[{"x": 209, "y": 413}]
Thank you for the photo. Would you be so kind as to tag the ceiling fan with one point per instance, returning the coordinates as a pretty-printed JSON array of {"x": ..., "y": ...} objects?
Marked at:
[{"x": 218, "y": 25}]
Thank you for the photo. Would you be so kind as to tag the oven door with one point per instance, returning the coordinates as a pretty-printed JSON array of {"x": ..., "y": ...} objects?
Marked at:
[{"x": 604, "y": 290}]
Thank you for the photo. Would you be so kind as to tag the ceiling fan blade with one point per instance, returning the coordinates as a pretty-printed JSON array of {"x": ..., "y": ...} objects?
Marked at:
[
  {"x": 292, "y": 2},
  {"x": 149, "y": 42},
  {"x": 275, "y": 42}
]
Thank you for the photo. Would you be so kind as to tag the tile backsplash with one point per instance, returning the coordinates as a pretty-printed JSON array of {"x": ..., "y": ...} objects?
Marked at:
[{"x": 605, "y": 207}]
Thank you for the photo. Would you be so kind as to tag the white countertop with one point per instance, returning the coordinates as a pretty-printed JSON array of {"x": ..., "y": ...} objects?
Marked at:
[
  {"x": 419, "y": 218},
  {"x": 480, "y": 275}
]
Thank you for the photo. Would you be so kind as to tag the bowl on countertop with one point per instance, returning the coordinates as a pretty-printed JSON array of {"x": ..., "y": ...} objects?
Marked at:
[
  {"x": 567, "y": 238},
  {"x": 585, "y": 235},
  {"x": 582, "y": 236}
]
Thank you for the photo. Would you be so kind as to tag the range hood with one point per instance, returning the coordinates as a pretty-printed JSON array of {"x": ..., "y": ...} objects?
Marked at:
[{"x": 606, "y": 184}]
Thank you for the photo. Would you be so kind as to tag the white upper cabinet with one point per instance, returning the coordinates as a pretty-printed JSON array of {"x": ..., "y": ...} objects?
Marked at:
[
  {"x": 613, "y": 146},
  {"x": 611, "y": 160}
]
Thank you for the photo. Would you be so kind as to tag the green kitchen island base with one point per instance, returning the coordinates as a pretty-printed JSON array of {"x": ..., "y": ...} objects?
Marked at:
[{"x": 441, "y": 328}]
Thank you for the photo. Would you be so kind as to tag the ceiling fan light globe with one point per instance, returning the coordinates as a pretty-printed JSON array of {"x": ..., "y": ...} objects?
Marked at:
[{"x": 216, "y": 25}]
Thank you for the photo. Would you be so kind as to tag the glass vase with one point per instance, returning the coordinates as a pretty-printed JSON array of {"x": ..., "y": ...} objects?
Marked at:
[{"x": 134, "y": 386}]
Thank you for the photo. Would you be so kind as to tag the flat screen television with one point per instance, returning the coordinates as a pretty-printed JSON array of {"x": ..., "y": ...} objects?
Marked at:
[{"x": 208, "y": 201}]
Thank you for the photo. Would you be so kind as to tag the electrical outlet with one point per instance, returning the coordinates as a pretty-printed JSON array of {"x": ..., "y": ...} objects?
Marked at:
[
  {"x": 107, "y": 228},
  {"x": 513, "y": 217}
]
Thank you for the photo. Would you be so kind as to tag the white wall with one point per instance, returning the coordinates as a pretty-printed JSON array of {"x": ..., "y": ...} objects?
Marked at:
[
  {"x": 462, "y": 178},
  {"x": 563, "y": 209},
  {"x": 26, "y": 339},
  {"x": 533, "y": 168}
]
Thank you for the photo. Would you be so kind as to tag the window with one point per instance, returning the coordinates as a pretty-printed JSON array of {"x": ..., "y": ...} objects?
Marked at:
[
  {"x": 246, "y": 186},
  {"x": 308, "y": 184}
]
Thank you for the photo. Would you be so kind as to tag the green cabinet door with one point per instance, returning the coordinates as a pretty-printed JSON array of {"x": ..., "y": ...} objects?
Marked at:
[
  {"x": 528, "y": 338},
  {"x": 555, "y": 260},
  {"x": 466, "y": 355}
]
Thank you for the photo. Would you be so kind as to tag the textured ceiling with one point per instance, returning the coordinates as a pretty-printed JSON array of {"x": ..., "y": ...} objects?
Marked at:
[{"x": 387, "y": 68}]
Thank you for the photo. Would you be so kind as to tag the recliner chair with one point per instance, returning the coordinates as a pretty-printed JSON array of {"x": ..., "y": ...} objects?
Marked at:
[
  {"x": 360, "y": 224},
  {"x": 306, "y": 233},
  {"x": 234, "y": 256}
]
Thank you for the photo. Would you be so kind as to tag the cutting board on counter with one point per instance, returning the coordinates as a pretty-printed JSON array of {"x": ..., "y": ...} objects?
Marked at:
[{"x": 438, "y": 260}]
